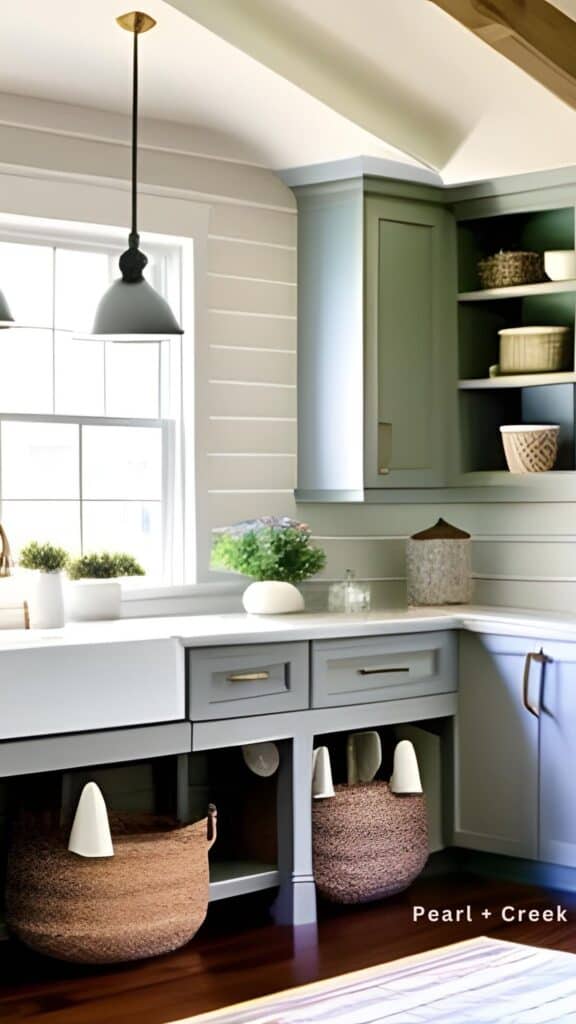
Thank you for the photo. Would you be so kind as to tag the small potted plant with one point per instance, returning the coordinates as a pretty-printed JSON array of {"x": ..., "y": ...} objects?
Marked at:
[
  {"x": 47, "y": 599},
  {"x": 95, "y": 591},
  {"x": 277, "y": 553}
]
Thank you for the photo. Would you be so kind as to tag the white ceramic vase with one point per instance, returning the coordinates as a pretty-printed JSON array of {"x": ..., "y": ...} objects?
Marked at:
[
  {"x": 94, "y": 599},
  {"x": 47, "y": 601},
  {"x": 272, "y": 597}
]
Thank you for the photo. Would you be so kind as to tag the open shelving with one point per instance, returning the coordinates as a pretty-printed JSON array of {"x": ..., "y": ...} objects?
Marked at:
[
  {"x": 487, "y": 402},
  {"x": 517, "y": 291},
  {"x": 238, "y": 877},
  {"x": 517, "y": 380},
  {"x": 244, "y": 858}
]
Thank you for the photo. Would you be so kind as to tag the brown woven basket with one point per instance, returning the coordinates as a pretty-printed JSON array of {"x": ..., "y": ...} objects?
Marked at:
[
  {"x": 508, "y": 268},
  {"x": 368, "y": 843},
  {"x": 149, "y": 898}
]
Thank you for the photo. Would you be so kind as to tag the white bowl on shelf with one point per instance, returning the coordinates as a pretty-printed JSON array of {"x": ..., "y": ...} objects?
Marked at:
[
  {"x": 560, "y": 264},
  {"x": 530, "y": 447}
]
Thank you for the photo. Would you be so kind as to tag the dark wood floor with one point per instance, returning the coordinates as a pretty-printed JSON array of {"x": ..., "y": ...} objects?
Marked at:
[{"x": 239, "y": 955}]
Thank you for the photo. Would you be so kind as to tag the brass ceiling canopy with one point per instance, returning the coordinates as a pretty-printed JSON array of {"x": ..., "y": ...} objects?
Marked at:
[{"x": 136, "y": 21}]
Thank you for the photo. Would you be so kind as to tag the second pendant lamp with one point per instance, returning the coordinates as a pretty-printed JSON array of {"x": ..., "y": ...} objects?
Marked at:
[
  {"x": 6, "y": 318},
  {"x": 131, "y": 310}
]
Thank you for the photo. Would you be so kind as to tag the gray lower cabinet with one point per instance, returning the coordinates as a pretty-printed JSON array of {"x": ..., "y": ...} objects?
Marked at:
[
  {"x": 496, "y": 757},
  {"x": 557, "y": 708},
  {"x": 369, "y": 669},
  {"x": 251, "y": 679}
]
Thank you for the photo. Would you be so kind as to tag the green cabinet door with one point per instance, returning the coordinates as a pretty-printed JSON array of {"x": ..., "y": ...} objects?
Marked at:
[{"x": 410, "y": 343}]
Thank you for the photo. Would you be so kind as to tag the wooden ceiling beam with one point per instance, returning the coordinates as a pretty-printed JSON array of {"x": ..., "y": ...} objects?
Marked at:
[{"x": 533, "y": 34}]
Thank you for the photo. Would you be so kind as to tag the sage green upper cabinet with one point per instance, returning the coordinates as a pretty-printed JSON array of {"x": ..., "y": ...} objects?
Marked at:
[
  {"x": 410, "y": 367},
  {"x": 377, "y": 362}
]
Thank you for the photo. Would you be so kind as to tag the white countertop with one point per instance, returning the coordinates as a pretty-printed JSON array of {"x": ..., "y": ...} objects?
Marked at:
[{"x": 234, "y": 628}]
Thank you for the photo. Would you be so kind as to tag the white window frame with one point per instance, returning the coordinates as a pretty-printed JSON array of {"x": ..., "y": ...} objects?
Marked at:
[{"x": 69, "y": 204}]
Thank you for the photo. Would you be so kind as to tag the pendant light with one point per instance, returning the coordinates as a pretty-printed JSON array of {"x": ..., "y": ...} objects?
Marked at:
[
  {"x": 131, "y": 310},
  {"x": 6, "y": 318}
]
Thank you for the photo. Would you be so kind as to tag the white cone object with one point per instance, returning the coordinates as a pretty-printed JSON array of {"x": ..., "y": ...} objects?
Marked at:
[
  {"x": 90, "y": 833},
  {"x": 363, "y": 756},
  {"x": 322, "y": 785},
  {"x": 406, "y": 775}
]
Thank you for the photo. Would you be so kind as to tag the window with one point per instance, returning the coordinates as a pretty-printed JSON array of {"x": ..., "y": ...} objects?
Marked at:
[{"x": 90, "y": 431}]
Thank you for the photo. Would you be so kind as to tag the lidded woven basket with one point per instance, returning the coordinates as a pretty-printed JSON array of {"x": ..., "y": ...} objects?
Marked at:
[
  {"x": 438, "y": 566},
  {"x": 368, "y": 842},
  {"x": 504, "y": 269},
  {"x": 149, "y": 898}
]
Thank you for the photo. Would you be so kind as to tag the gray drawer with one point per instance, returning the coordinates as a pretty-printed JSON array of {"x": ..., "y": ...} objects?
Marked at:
[
  {"x": 256, "y": 679},
  {"x": 369, "y": 669}
]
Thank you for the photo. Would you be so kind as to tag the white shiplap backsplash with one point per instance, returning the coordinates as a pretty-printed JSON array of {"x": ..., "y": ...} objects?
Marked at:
[{"x": 522, "y": 554}]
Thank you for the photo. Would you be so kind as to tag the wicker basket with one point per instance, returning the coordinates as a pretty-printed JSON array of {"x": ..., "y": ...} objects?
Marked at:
[
  {"x": 530, "y": 448},
  {"x": 368, "y": 843},
  {"x": 149, "y": 898},
  {"x": 509, "y": 268}
]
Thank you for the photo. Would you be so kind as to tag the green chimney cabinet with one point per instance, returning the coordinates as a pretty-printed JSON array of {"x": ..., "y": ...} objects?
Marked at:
[{"x": 377, "y": 372}]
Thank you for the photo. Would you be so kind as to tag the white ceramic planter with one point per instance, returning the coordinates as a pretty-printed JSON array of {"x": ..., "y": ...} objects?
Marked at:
[
  {"x": 560, "y": 264},
  {"x": 272, "y": 597},
  {"x": 47, "y": 601},
  {"x": 94, "y": 599}
]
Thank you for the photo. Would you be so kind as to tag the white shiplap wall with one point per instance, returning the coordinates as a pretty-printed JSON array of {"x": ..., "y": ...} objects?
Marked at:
[{"x": 523, "y": 554}]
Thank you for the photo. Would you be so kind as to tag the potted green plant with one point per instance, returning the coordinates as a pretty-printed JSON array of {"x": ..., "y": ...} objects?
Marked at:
[
  {"x": 95, "y": 591},
  {"x": 47, "y": 598},
  {"x": 277, "y": 553}
]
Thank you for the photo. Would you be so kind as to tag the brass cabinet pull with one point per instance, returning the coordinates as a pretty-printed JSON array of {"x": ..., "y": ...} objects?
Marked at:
[
  {"x": 541, "y": 659},
  {"x": 247, "y": 677},
  {"x": 381, "y": 671}
]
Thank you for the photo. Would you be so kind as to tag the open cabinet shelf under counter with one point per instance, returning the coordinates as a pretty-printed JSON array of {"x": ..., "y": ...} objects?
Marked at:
[{"x": 238, "y": 877}]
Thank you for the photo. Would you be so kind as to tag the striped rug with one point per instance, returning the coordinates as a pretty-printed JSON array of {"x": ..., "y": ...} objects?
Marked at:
[{"x": 481, "y": 981}]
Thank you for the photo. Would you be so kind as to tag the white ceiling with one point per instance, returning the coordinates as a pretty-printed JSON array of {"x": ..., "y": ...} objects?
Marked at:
[
  {"x": 300, "y": 81},
  {"x": 72, "y": 51}
]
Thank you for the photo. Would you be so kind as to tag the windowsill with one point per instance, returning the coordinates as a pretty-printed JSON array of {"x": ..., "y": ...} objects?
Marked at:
[
  {"x": 149, "y": 592},
  {"x": 144, "y": 599}
]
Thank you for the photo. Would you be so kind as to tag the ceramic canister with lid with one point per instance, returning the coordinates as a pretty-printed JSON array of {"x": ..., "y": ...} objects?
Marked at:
[{"x": 438, "y": 566}]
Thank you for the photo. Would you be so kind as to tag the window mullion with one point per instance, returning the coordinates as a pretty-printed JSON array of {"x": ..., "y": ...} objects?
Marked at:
[
  {"x": 81, "y": 483},
  {"x": 54, "y": 330}
]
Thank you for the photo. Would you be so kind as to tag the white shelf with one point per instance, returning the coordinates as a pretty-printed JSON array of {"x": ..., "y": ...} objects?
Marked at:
[
  {"x": 238, "y": 877},
  {"x": 520, "y": 380},
  {"x": 518, "y": 291}
]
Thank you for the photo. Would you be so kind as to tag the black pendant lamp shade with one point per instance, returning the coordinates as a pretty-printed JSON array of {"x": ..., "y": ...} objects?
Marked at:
[
  {"x": 6, "y": 318},
  {"x": 131, "y": 310}
]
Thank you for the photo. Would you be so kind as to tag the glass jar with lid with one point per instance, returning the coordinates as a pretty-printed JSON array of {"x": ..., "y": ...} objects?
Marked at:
[{"x": 349, "y": 595}]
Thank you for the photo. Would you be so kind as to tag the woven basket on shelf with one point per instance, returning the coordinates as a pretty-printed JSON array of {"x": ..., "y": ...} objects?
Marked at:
[
  {"x": 530, "y": 448},
  {"x": 149, "y": 898},
  {"x": 368, "y": 843},
  {"x": 509, "y": 268}
]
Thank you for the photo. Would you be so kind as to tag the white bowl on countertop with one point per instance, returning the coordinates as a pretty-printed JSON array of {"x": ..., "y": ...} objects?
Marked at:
[{"x": 560, "y": 264}]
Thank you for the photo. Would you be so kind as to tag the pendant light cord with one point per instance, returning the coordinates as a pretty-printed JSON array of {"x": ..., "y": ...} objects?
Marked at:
[
  {"x": 134, "y": 239},
  {"x": 133, "y": 261}
]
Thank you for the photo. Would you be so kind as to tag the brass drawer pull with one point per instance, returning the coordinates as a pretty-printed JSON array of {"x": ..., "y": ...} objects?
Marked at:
[
  {"x": 247, "y": 677},
  {"x": 379, "y": 671}
]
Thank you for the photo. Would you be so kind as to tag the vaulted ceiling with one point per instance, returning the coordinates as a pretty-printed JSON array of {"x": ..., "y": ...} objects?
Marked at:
[{"x": 302, "y": 81}]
